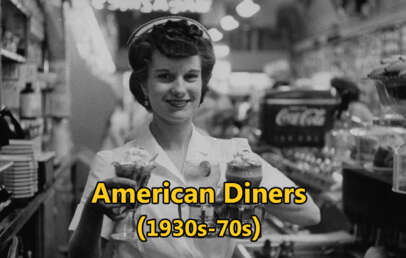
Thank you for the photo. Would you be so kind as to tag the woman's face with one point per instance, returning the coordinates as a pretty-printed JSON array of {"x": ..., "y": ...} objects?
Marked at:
[{"x": 174, "y": 87}]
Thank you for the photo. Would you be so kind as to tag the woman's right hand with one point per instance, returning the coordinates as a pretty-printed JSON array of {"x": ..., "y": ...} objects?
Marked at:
[{"x": 115, "y": 211}]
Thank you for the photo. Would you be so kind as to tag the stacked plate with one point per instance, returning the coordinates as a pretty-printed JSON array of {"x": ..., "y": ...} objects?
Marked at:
[{"x": 22, "y": 178}]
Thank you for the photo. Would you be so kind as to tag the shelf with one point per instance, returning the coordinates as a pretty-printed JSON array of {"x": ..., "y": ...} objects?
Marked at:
[
  {"x": 310, "y": 181},
  {"x": 13, "y": 222},
  {"x": 313, "y": 180},
  {"x": 11, "y": 56},
  {"x": 355, "y": 27}
]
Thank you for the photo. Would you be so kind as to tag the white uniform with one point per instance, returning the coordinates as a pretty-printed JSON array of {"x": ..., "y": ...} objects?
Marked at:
[{"x": 203, "y": 147}]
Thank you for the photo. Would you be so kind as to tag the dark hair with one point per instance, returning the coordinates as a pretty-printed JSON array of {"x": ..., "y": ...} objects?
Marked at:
[
  {"x": 173, "y": 39},
  {"x": 348, "y": 92}
]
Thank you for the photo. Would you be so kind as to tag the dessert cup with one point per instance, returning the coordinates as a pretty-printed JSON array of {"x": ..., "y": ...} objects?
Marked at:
[{"x": 137, "y": 165}]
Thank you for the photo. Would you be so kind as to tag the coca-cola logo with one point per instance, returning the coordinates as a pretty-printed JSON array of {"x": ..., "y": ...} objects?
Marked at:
[{"x": 301, "y": 117}]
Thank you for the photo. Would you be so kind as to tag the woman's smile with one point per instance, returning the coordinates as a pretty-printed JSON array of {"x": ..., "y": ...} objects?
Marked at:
[{"x": 178, "y": 103}]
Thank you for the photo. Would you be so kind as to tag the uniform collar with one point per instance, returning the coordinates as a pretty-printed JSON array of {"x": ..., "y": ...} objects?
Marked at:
[{"x": 199, "y": 145}]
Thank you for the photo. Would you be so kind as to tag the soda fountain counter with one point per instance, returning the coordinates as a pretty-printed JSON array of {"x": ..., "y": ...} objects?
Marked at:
[
  {"x": 375, "y": 211},
  {"x": 294, "y": 124},
  {"x": 346, "y": 169}
]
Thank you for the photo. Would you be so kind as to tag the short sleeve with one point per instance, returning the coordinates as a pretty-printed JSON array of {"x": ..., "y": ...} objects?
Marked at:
[
  {"x": 271, "y": 176},
  {"x": 101, "y": 169}
]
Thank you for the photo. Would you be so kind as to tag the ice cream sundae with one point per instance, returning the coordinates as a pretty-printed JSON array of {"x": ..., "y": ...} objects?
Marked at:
[
  {"x": 136, "y": 164},
  {"x": 245, "y": 166}
]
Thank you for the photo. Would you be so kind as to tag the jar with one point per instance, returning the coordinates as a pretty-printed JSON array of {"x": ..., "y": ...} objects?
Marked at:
[
  {"x": 30, "y": 102},
  {"x": 368, "y": 140},
  {"x": 392, "y": 92}
]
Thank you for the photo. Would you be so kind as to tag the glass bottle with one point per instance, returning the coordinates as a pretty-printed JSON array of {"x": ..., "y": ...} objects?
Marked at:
[
  {"x": 30, "y": 102},
  {"x": 341, "y": 138}
]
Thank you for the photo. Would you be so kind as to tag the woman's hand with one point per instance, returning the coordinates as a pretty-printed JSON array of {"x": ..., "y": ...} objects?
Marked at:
[
  {"x": 86, "y": 241},
  {"x": 116, "y": 211}
]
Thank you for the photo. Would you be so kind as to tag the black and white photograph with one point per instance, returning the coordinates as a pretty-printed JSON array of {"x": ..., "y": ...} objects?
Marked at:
[{"x": 203, "y": 128}]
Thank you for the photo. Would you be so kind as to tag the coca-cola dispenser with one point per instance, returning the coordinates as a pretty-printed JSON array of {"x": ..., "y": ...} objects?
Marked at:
[{"x": 297, "y": 117}]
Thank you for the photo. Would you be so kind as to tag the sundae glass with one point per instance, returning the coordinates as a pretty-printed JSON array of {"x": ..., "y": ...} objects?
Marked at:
[
  {"x": 245, "y": 166},
  {"x": 137, "y": 165}
]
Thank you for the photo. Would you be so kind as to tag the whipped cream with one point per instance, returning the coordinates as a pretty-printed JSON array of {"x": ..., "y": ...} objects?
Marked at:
[
  {"x": 137, "y": 156},
  {"x": 245, "y": 158}
]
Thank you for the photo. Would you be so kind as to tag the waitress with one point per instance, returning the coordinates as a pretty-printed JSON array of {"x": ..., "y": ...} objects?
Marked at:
[{"x": 172, "y": 60}]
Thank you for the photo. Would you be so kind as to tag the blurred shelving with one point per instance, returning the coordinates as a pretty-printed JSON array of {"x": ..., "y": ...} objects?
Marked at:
[{"x": 11, "y": 56}]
